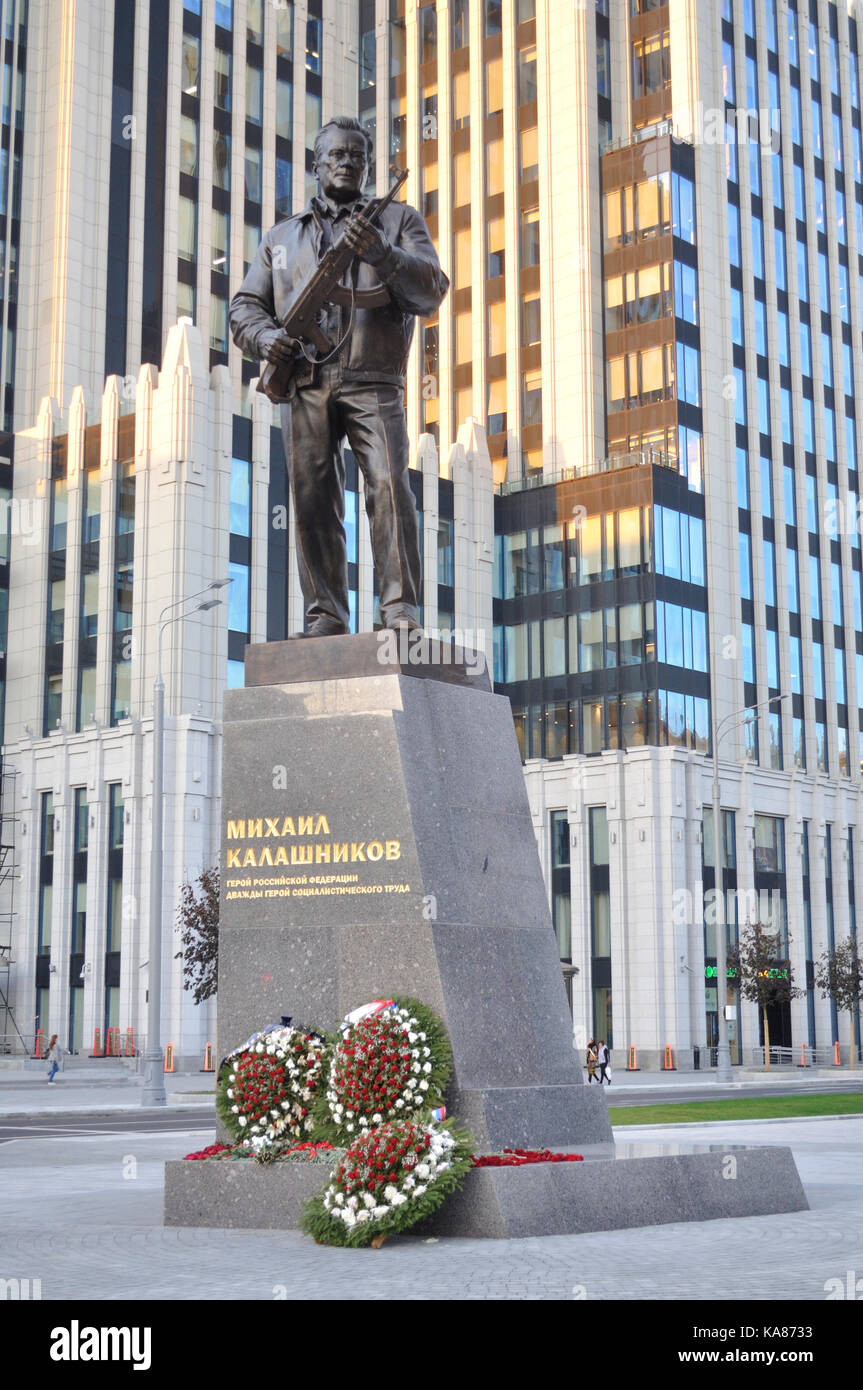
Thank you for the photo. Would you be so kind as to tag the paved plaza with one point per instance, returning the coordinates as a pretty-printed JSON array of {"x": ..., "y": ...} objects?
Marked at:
[{"x": 83, "y": 1215}]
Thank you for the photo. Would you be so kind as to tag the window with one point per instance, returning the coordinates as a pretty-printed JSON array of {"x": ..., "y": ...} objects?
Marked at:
[
  {"x": 736, "y": 315},
  {"x": 769, "y": 574},
  {"x": 462, "y": 258},
  {"x": 221, "y": 160},
  {"x": 284, "y": 101},
  {"x": 527, "y": 76},
  {"x": 222, "y": 80},
  {"x": 493, "y": 168},
  {"x": 496, "y": 415},
  {"x": 188, "y": 146},
  {"x": 728, "y": 71},
  {"x": 529, "y": 155},
  {"x": 253, "y": 175},
  {"x": 493, "y": 17},
  {"x": 460, "y": 21},
  {"x": 815, "y": 585},
  {"x": 630, "y": 634},
  {"x": 313, "y": 118},
  {"x": 218, "y": 323},
  {"x": 187, "y": 229},
  {"x": 368, "y": 60},
  {"x": 686, "y": 293},
  {"x": 496, "y": 314},
  {"x": 284, "y": 31},
  {"x": 191, "y": 64},
  {"x": 531, "y": 398},
  {"x": 651, "y": 65},
  {"x": 461, "y": 100},
  {"x": 745, "y": 548},
  {"x": 254, "y": 95},
  {"x": 283, "y": 188},
  {"x": 530, "y": 320},
  {"x": 427, "y": 34},
  {"x": 494, "y": 87},
  {"x": 240, "y": 498},
  {"x": 313, "y": 44},
  {"x": 734, "y": 234},
  {"x": 220, "y": 241}
]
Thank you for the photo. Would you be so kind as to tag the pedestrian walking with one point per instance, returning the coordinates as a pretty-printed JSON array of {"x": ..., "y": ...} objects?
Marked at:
[
  {"x": 55, "y": 1057},
  {"x": 591, "y": 1061},
  {"x": 604, "y": 1059}
]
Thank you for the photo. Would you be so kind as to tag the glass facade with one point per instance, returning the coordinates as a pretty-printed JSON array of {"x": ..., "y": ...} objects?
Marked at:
[{"x": 602, "y": 639}]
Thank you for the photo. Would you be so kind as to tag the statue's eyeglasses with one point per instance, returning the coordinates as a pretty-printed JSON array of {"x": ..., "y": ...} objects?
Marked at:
[{"x": 355, "y": 157}]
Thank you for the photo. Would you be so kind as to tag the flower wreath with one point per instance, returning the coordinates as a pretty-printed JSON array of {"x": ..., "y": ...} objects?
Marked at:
[
  {"x": 390, "y": 1178},
  {"x": 267, "y": 1087},
  {"x": 390, "y": 1064}
]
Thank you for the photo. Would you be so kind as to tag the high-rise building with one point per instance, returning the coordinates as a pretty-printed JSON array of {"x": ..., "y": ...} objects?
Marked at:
[
  {"x": 635, "y": 438},
  {"x": 647, "y": 212}
]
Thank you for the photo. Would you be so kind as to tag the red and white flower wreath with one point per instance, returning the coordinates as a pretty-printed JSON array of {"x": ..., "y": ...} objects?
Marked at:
[
  {"x": 389, "y": 1065},
  {"x": 269, "y": 1088}
]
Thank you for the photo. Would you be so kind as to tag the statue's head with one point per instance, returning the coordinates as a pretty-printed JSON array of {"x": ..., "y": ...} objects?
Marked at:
[{"x": 341, "y": 158}]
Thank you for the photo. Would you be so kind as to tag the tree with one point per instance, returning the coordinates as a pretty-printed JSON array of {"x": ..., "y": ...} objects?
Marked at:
[
  {"x": 765, "y": 976},
  {"x": 839, "y": 976},
  {"x": 198, "y": 924}
]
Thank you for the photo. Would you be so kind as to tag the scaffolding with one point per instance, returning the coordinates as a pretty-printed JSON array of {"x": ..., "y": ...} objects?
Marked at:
[{"x": 11, "y": 1038}]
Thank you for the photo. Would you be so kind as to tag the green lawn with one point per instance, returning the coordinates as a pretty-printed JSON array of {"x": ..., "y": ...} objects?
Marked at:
[{"x": 747, "y": 1108}]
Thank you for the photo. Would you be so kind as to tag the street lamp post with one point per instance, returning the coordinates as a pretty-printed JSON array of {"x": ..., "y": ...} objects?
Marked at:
[
  {"x": 154, "y": 1078},
  {"x": 731, "y": 721}
]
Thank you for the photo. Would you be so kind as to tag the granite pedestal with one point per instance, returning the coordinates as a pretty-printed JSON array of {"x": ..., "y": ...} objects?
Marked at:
[
  {"x": 377, "y": 840},
  {"x": 400, "y": 806},
  {"x": 634, "y": 1185}
]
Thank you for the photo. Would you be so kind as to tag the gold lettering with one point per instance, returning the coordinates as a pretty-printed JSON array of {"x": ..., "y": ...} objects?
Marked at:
[
  {"x": 234, "y": 859},
  {"x": 340, "y": 854},
  {"x": 249, "y": 859},
  {"x": 255, "y": 829},
  {"x": 375, "y": 851},
  {"x": 322, "y": 854},
  {"x": 282, "y": 855},
  {"x": 266, "y": 857},
  {"x": 394, "y": 849},
  {"x": 304, "y": 825},
  {"x": 357, "y": 851},
  {"x": 322, "y": 826},
  {"x": 236, "y": 830},
  {"x": 301, "y": 854},
  {"x": 288, "y": 826},
  {"x": 272, "y": 826}
]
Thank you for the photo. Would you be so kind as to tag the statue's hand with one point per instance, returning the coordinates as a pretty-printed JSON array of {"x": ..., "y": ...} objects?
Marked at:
[
  {"x": 277, "y": 347},
  {"x": 366, "y": 240}
]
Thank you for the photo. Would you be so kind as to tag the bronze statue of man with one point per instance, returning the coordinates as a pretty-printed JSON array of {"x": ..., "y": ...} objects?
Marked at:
[{"x": 355, "y": 390}]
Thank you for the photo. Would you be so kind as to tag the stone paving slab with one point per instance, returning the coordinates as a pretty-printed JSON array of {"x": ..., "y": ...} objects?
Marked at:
[{"x": 84, "y": 1216}]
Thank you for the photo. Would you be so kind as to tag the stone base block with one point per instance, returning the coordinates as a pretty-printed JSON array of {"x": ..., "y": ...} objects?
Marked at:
[
  {"x": 564, "y": 1117},
  {"x": 600, "y": 1194},
  {"x": 240, "y": 1195}
]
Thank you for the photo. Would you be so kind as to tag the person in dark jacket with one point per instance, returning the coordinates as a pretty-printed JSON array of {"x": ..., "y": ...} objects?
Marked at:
[{"x": 357, "y": 390}]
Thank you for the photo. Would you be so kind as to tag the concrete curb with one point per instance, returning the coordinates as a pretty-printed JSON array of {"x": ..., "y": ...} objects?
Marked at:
[
  {"x": 708, "y": 1124},
  {"x": 106, "y": 1110}
]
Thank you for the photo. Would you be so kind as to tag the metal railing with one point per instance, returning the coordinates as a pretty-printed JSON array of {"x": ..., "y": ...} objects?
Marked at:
[
  {"x": 639, "y": 458},
  {"x": 637, "y": 137}
]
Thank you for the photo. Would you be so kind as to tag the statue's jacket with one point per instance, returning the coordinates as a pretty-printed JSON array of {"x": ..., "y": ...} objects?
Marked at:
[{"x": 378, "y": 346}]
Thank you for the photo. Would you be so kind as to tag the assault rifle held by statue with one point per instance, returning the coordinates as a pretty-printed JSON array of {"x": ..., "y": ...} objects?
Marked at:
[{"x": 325, "y": 287}]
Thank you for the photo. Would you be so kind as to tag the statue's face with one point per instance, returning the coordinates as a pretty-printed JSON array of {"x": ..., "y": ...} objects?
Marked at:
[{"x": 342, "y": 165}]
